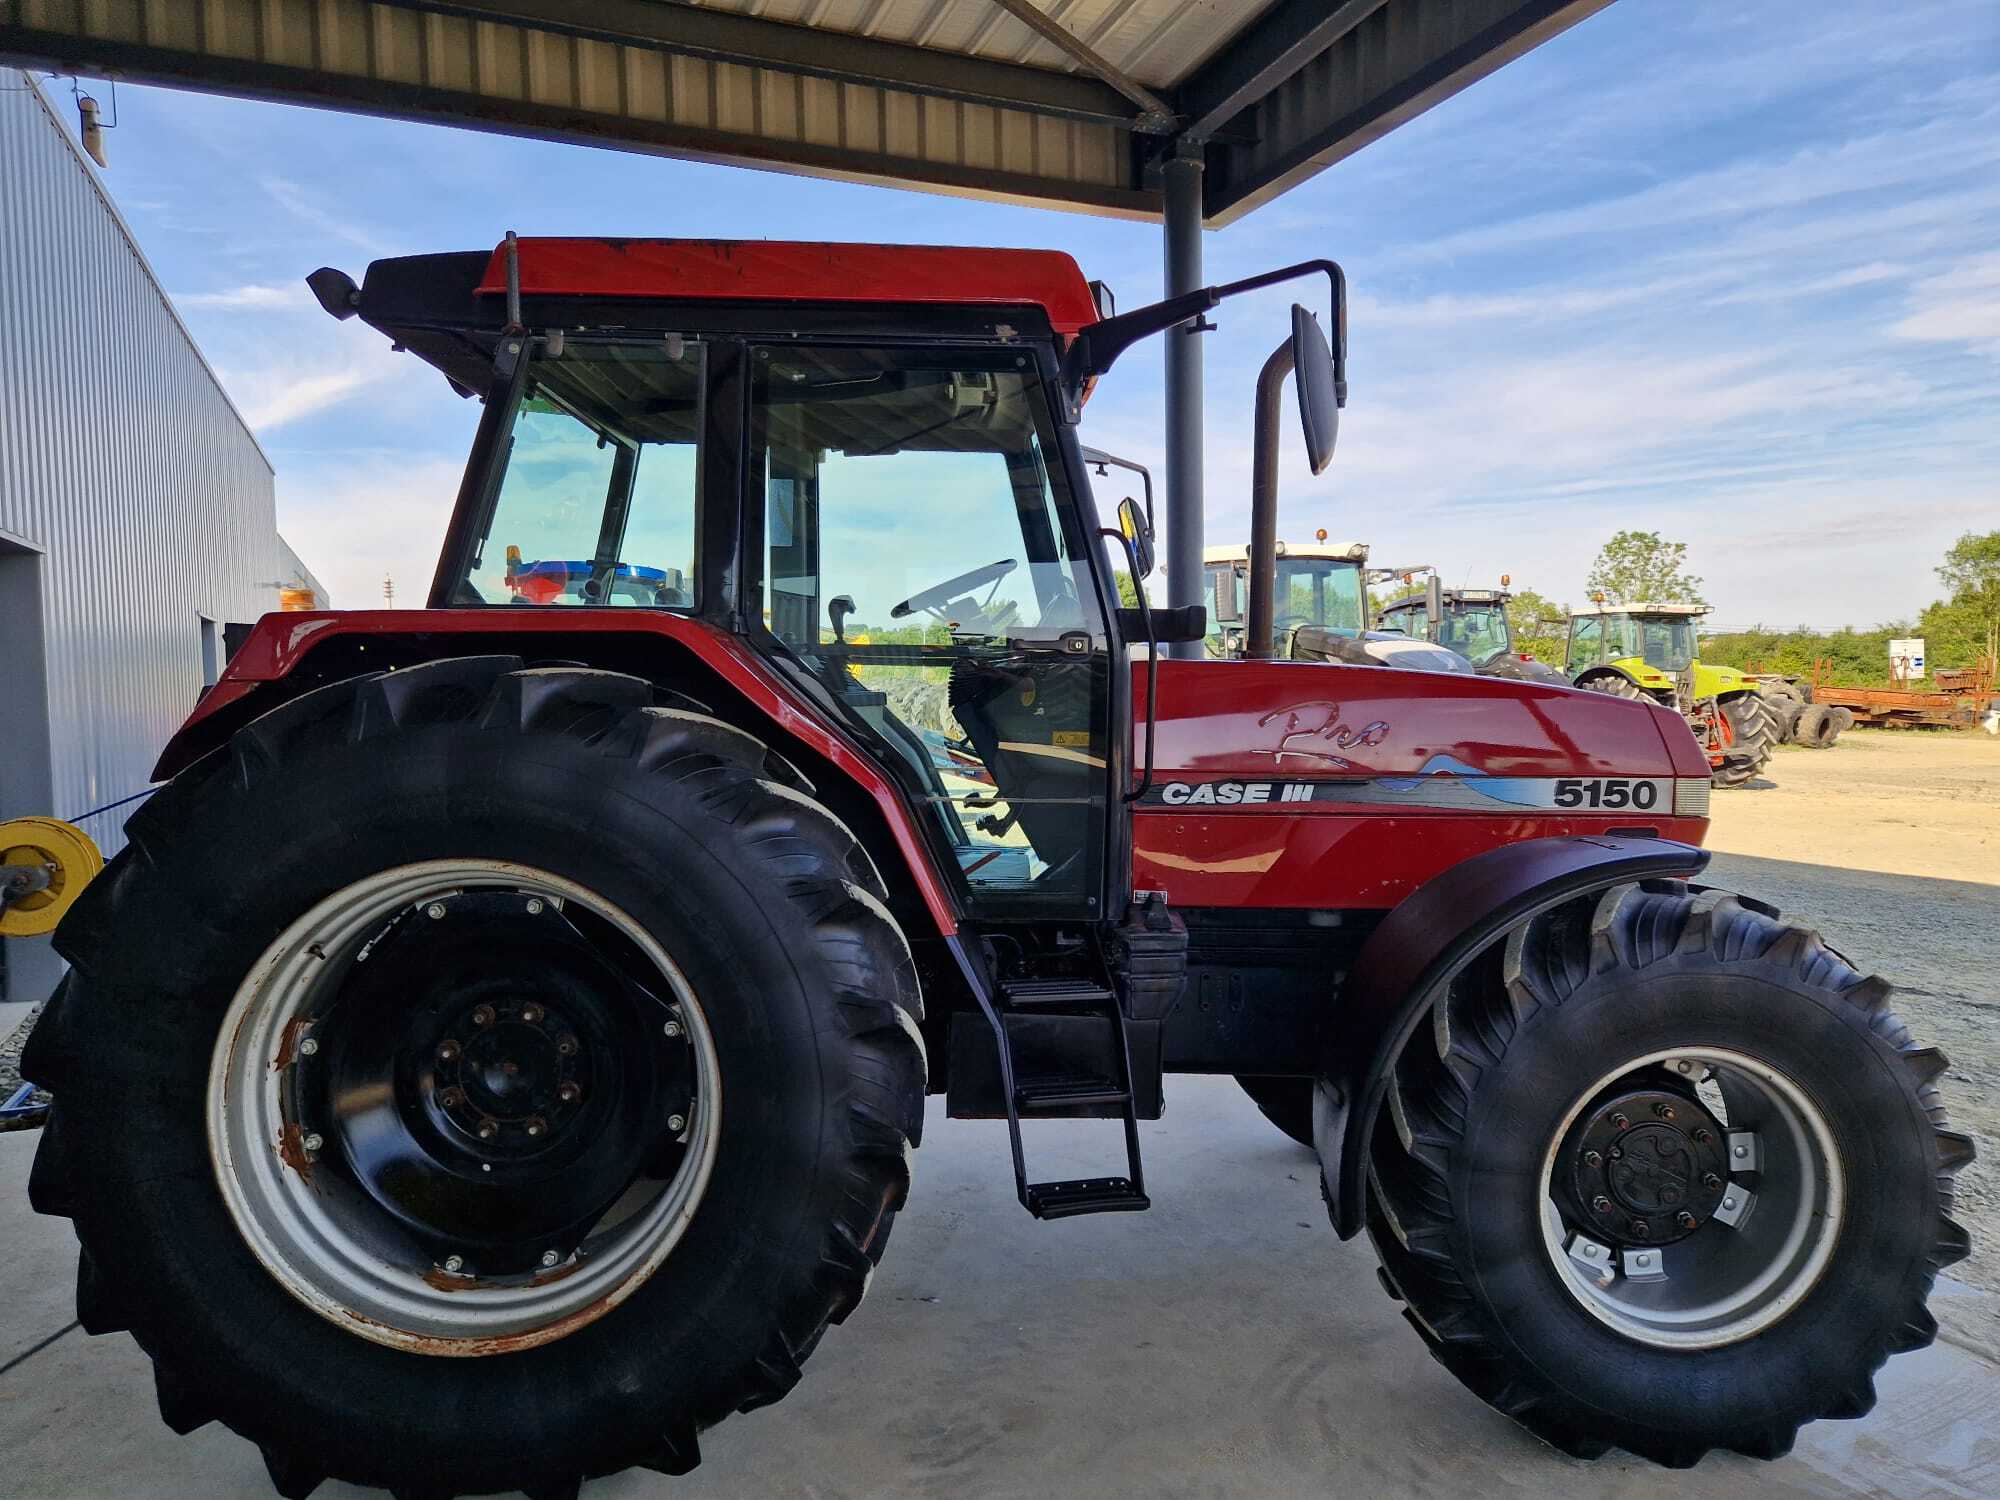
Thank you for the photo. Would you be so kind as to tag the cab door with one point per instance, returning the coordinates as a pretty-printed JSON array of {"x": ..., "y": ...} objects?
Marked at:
[{"x": 923, "y": 556}]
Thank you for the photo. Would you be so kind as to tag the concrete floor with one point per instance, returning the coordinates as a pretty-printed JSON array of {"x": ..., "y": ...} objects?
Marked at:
[{"x": 1224, "y": 1344}]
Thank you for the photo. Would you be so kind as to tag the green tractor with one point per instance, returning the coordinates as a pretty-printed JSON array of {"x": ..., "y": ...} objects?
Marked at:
[{"x": 1652, "y": 651}]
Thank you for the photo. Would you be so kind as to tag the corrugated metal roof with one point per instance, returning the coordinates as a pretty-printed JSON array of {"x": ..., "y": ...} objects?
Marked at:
[{"x": 961, "y": 96}]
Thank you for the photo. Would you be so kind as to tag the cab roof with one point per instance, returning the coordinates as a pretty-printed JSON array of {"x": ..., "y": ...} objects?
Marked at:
[
  {"x": 1642, "y": 609},
  {"x": 799, "y": 271},
  {"x": 1354, "y": 552}
]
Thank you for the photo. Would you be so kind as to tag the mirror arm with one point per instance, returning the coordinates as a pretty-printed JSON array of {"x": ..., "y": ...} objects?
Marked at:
[
  {"x": 1152, "y": 659},
  {"x": 1097, "y": 347}
]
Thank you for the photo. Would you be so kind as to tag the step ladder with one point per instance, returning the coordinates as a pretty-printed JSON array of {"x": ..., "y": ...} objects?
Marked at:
[{"x": 1030, "y": 1095}]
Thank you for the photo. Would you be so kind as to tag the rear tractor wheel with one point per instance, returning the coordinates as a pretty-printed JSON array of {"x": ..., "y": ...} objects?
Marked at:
[
  {"x": 1747, "y": 727},
  {"x": 475, "y": 1079},
  {"x": 1615, "y": 683},
  {"x": 1667, "y": 1174}
]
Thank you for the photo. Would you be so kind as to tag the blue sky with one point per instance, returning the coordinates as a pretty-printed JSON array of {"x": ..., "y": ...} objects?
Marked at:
[{"x": 1727, "y": 272}]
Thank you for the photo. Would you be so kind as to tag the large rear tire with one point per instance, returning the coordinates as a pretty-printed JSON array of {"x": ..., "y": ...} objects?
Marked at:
[
  {"x": 1615, "y": 1065},
  {"x": 1752, "y": 727},
  {"x": 635, "y": 903}
]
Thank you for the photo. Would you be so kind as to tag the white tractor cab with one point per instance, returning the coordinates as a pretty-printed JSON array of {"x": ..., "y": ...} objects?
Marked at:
[{"x": 1319, "y": 611}]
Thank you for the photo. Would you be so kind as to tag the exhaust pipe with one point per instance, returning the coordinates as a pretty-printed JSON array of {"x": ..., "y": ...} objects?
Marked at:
[{"x": 1257, "y": 642}]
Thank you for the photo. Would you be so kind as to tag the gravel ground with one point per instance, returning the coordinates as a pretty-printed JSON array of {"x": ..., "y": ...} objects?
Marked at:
[
  {"x": 10, "y": 1071},
  {"x": 1889, "y": 844}
]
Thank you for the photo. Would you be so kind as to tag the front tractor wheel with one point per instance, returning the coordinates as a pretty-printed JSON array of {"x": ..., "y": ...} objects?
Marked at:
[
  {"x": 1668, "y": 1175},
  {"x": 477, "y": 1079}
]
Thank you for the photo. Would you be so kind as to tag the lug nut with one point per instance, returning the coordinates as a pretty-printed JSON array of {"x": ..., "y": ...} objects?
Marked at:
[
  {"x": 1601, "y": 1204},
  {"x": 550, "y": 1258},
  {"x": 1710, "y": 1181},
  {"x": 1703, "y": 1135},
  {"x": 1687, "y": 1220},
  {"x": 1684, "y": 1066},
  {"x": 531, "y": 1014},
  {"x": 313, "y": 1141},
  {"x": 435, "y": 911},
  {"x": 1641, "y": 1228},
  {"x": 672, "y": 1028},
  {"x": 1617, "y": 1153},
  {"x": 1664, "y": 1111},
  {"x": 566, "y": 1046},
  {"x": 1593, "y": 1158},
  {"x": 451, "y": 1098},
  {"x": 487, "y": 1130},
  {"x": 454, "y": 1263},
  {"x": 569, "y": 1093},
  {"x": 534, "y": 906},
  {"x": 676, "y": 1122},
  {"x": 482, "y": 1015},
  {"x": 1620, "y": 1122},
  {"x": 535, "y": 1126},
  {"x": 308, "y": 1047},
  {"x": 448, "y": 1052}
]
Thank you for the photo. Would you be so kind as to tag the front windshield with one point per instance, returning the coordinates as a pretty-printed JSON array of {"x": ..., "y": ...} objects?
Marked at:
[
  {"x": 1317, "y": 591},
  {"x": 1665, "y": 642},
  {"x": 595, "y": 501},
  {"x": 1476, "y": 633}
]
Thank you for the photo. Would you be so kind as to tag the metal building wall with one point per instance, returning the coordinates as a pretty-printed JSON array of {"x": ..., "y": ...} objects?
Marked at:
[{"x": 123, "y": 463}]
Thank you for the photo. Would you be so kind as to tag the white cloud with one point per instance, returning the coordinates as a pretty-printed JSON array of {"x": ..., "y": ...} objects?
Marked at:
[
  {"x": 253, "y": 298},
  {"x": 1960, "y": 306},
  {"x": 355, "y": 518}
]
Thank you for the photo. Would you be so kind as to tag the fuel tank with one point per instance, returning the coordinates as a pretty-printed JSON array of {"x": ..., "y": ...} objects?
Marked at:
[{"x": 1315, "y": 785}]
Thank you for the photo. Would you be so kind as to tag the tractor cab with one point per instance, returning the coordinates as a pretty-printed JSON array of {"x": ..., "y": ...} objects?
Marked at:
[
  {"x": 1472, "y": 622},
  {"x": 1318, "y": 584}
]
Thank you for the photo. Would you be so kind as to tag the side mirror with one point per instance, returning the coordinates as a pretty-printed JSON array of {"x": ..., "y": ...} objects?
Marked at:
[
  {"x": 1434, "y": 601},
  {"x": 1138, "y": 531},
  {"x": 1319, "y": 404}
]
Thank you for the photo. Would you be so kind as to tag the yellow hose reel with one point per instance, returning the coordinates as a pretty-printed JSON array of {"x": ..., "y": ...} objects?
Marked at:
[{"x": 44, "y": 865}]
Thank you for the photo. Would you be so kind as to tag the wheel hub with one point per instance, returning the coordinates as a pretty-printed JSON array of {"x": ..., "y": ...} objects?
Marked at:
[
  {"x": 1647, "y": 1166},
  {"x": 517, "y": 1082}
]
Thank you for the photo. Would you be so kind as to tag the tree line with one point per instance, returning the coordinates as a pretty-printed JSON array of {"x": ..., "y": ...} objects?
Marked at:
[{"x": 1642, "y": 567}]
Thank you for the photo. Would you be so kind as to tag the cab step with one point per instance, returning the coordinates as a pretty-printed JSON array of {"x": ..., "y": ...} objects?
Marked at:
[
  {"x": 1068, "y": 1093},
  {"x": 1085, "y": 1195}
]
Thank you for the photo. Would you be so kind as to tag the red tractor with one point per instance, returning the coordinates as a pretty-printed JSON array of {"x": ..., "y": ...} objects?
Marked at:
[{"x": 496, "y": 1054}]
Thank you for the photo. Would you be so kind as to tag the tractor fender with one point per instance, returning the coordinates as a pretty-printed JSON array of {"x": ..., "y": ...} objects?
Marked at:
[
  {"x": 1421, "y": 945},
  {"x": 271, "y": 660}
]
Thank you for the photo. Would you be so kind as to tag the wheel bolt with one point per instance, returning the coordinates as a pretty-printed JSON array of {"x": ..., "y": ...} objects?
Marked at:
[
  {"x": 487, "y": 1130},
  {"x": 1703, "y": 1135},
  {"x": 448, "y": 1052},
  {"x": 308, "y": 1047},
  {"x": 1687, "y": 1220},
  {"x": 435, "y": 911},
  {"x": 531, "y": 1014},
  {"x": 313, "y": 1141},
  {"x": 551, "y": 1258},
  {"x": 535, "y": 1126},
  {"x": 1617, "y": 1153},
  {"x": 454, "y": 1263},
  {"x": 1593, "y": 1158},
  {"x": 482, "y": 1015},
  {"x": 569, "y": 1093},
  {"x": 1641, "y": 1228},
  {"x": 534, "y": 906},
  {"x": 672, "y": 1028},
  {"x": 451, "y": 1098},
  {"x": 677, "y": 1122},
  {"x": 1710, "y": 1181},
  {"x": 1620, "y": 1122},
  {"x": 1664, "y": 1111},
  {"x": 567, "y": 1046},
  {"x": 1601, "y": 1204}
]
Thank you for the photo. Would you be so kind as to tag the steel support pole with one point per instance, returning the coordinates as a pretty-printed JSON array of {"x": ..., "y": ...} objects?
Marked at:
[{"x": 1183, "y": 346}]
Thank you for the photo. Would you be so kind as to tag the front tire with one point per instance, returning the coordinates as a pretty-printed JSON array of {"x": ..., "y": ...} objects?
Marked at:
[
  {"x": 688, "y": 885},
  {"x": 1495, "y": 1206}
]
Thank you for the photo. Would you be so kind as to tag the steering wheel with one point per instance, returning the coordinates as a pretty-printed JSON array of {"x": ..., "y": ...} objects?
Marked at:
[
  {"x": 952, "y": 588},
  {"x": 1290, "y": 620}
]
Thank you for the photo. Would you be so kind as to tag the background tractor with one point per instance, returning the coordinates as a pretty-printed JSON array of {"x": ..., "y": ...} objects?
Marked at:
[
  {"x": 1472, "y": 622},
  {"x": 497, "y": 1053},
  {"x": 1320, "y": 612},
  {"x": 1651, "y": 651}
]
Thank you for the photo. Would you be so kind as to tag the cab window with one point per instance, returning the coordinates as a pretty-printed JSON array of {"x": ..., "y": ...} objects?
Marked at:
[
  {"x": 923, "y": 560},
  {"x": 595, "y": 499}
]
